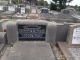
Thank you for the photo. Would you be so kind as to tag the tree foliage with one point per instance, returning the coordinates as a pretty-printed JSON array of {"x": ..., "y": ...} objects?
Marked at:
[
  {"x": 60, "y": 4},
  {"x": 53, "y": 6},
  {"x": 42, "y": 3},
  {"x": 45, "y": 3},
  {"x": 16, "y": 1}
]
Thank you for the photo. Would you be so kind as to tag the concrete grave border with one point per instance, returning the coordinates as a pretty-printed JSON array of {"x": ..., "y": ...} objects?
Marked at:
[{"x": 12, "y": 31}]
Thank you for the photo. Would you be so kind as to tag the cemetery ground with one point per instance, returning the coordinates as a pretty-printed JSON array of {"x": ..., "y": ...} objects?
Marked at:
[{"x": 29, "y": 34}]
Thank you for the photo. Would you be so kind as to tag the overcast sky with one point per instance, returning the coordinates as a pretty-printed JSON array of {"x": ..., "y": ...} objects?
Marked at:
[{"x": 74, "y": 2}]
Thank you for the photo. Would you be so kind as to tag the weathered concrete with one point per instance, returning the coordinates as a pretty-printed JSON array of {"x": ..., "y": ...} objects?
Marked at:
[
  {"x": 12, "y": 30},
  {"x": 2, "y": 41},
  {"x": 73, "y": 37},
  {"x": 64, "y": 48},
  {"x": 19, "y": 16},
  {"x": 29, "y": 51},
  {"x": 62, "y": 30}
]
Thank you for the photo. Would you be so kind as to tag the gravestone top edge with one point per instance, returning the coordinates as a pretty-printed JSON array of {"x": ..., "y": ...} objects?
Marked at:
[{"x": 75, "y": 25}]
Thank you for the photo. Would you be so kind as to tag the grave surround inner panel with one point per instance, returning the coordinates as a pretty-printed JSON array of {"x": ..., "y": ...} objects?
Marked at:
[{"x": 28, "y": 32}]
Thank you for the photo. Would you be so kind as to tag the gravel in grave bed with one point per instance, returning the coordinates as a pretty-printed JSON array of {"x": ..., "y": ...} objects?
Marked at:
[{"x": 75, "y": 52}]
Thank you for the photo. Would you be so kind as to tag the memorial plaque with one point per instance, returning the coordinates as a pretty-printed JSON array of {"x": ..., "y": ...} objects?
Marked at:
[
  {"x": 32, "y": 32},
  {"x": 76, "y": 36}
]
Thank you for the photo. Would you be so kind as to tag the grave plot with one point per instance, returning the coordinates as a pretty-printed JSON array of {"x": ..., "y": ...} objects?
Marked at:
[
  {"x": 71, "y": 49},
  {"x": 19, "y": 16},
  {"x": 46, "y": 16},
  {"x": 66, "y": 15},
  {"x": 69, "y": 11},
  {"x": 74, "y": 41},
  {"x": 7, "y": 15},
  {"x": 32, "y": 16},
  {"x": 30, "y": 40},
  {"x": 29, "y": 51},
  {"x": 30, "y": 30},
  {"x": 10, "y": 10}
]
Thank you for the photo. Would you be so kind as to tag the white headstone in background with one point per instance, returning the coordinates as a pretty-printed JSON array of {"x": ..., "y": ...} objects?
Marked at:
[
  {"x": 33, "y": 11},
  {"x": 11, "y": 8},
  {"x": 28, "y": 7},
  {"x": 76, "y": 36},
  {"x": 1, "y": 7},
  {"x": 23, "y": 10}
]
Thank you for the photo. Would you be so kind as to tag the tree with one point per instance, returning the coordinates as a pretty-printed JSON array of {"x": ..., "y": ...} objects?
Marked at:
[
  {"x": 79, "y": 8},
  {"x": 16, "y": 1},
  {"x": 69, "y": 0},
  {"x": 45, "y": 3},
  {"x": 32, "y": 2},
  {"x": 61, "y": 4},
  {"x": 53, "y": 6},
  {"x": 41, "y": 2}
]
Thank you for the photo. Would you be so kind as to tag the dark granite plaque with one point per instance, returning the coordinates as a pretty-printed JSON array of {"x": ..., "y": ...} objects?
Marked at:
[{"x": 32, "y": 32}]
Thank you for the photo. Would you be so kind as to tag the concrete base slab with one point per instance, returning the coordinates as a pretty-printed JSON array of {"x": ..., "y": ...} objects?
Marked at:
[
  {"x": 64, "y": 49},
  {"x": 29, "y": 51}
]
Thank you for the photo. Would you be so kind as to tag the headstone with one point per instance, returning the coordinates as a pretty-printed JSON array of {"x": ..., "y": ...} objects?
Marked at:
[
  {"x": 44, "y": 10},
  {"x": 23, "y": 10},
  {"x": 71, "y": 47},
  {"x": 74, "y": 35},
  {"x": 11, "y": 8},
  {"x": 73, "y": 39},
  {"x": 69, "y": 11},
  {"x": 30, "y": 30},
  {"x": 33, "y": 10},
  {"x": 1, "y": 8}
]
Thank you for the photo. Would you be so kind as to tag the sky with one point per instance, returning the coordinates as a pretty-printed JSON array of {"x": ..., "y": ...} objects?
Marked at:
[{"x": 74, "y": 2}]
